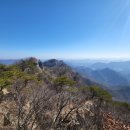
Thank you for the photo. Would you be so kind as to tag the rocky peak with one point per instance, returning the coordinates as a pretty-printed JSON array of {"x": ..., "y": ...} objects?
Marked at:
[
  {"x": 54, "y": 63},
  {"x": 30, "y": 64}
]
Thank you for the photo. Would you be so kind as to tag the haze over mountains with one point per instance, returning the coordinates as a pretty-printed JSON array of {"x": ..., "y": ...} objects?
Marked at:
[
  {"x": 95, "y": 68},
  {"x": 8, "y": 61},
  {"x": 106, "y": 76},
  {"x": 113, "y": 75}
]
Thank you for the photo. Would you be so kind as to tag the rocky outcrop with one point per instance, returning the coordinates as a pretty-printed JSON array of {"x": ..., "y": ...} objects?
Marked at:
[
  {"x": 54, "y": 63},
  {"x": 110, "y": 123},
  {"x": 7, "y": 115}
]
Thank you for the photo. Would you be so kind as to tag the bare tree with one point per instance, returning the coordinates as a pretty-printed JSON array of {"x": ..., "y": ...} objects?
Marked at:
[{"x": 32, "y": 102}]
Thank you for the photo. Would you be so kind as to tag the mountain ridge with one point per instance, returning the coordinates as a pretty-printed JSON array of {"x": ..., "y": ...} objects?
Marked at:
[{"x": 51, "y": 96}]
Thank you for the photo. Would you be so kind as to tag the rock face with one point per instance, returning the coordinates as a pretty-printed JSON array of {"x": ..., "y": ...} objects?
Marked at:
[
  {"x": 7, "y": 114},
  {"x": 54, "y": 63},
  {"x": 77, "y": 120},
  {"x": 111, "y": 124},
  {"x": 82, "y": 118}
]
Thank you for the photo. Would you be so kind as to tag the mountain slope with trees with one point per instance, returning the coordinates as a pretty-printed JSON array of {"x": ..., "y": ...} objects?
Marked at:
[{"x": 51, "y": 96}]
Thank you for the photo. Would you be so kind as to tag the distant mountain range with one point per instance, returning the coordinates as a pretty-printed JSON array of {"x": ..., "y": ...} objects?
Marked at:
[
  {"x": 96, "y": 69},
  {"x": 123, "y": 66},
  {"x": 115, "y": 76},
  {"x": 120, "y": 66},
  {"x": 8, "y": 61},
  {"x": 106, "y": 76}
]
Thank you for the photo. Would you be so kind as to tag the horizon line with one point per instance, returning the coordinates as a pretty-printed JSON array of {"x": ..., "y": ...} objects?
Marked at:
[{"x": 92, "y": 58}]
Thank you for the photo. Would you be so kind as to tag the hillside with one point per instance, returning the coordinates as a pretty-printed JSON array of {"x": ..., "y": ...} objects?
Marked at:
[
  {"x": 106, "y": 76},
  {"x": 49, "y": 95},
  {"x": 115, "y": 82},
  {"x": 122, "y": 93}
]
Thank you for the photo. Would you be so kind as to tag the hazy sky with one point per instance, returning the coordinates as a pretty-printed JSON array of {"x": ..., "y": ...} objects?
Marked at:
[{"x": 65, "y": 28}]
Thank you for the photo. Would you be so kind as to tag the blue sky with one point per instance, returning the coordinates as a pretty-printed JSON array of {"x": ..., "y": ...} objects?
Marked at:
[{"x": 70, "y": 29}]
